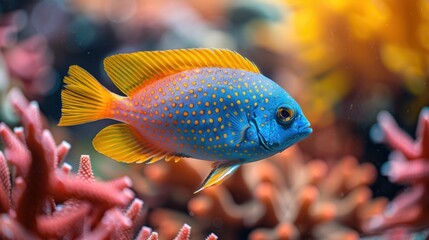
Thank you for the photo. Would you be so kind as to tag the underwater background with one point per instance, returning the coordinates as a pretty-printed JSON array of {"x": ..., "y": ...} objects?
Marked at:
[{"x": 358, "y": 69}]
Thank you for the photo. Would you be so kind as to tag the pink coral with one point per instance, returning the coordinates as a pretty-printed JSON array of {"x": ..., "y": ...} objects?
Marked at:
[
  {"x": 28, "y": 62},
  {"x": 39, "y": 185},
  {"x": 409, "y": 165},
  {"x": 183, "y": 234},
  {"x": 44, "y": 200}
]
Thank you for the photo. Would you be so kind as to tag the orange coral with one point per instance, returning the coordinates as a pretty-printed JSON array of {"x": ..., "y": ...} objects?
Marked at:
[{"x": 281, "y": 197}]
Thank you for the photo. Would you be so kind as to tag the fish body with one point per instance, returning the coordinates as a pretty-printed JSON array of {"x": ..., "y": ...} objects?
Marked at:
[
  {"x": 223, "y": 111},
  {"x": 208, "y": 113}
]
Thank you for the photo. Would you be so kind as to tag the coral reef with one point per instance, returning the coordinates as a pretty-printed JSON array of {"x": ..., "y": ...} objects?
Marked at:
[
  {"x": 289, "y": 197},
  {"x": 342, "y": 60},
  {"x": 283, "y": 197},
  {"x": 40, "y": 198},
  {"x": 408, "y": 165}
]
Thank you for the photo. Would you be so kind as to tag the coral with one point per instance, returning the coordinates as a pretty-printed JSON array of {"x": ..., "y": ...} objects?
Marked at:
[
  {"x": 28, "y": 62},
  {"x": 46, "y": 200},
  {"x": 40, "y": 198},
  {"x": 343, "y": 61},
  {"x": 283, "y": 197},
  {"x": 408, "y": 165},
  {"x": 183, "y": 234}
]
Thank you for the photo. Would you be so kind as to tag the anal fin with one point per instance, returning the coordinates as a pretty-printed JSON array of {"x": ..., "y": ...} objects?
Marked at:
[
  {"x": 219, "y": 174},
  {"x": 122, "y": 143}
]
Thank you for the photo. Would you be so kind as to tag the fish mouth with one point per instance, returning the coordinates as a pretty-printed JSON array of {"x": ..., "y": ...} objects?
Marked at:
[{"x": 305, "y": 130}]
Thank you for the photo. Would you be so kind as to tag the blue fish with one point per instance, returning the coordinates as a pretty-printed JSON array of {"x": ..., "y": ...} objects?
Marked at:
[{"x": 210, "y": 104}]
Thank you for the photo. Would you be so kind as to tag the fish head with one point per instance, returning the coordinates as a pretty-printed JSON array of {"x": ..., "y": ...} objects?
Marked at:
[{"x": 280, "y": 122}]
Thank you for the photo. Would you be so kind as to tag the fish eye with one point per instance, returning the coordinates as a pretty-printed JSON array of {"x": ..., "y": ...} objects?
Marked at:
[{"x": 285, "y": 115}]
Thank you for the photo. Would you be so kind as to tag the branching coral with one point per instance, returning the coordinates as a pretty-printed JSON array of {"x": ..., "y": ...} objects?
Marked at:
[
  {"x": 40, "y": 198},
  {"x": 283, "y": 197},
  {"x": 409, "y": 165},
  {"x": 307, "y": 200},
  {"x": 39, "y": 184}
]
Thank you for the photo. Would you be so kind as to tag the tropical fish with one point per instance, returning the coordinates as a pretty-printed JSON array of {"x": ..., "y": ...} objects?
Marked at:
[{"x": 209, "y": 104}]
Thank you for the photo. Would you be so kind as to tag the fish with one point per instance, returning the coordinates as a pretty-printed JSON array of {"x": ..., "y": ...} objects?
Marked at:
[{"x": 203, "y": 103}]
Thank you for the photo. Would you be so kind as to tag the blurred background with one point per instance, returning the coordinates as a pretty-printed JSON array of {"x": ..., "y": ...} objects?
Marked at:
[{"x": 342, "y": 60}]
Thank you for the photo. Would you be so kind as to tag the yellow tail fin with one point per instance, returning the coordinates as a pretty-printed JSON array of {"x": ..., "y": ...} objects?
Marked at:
[{"x": 84, "y": 99}]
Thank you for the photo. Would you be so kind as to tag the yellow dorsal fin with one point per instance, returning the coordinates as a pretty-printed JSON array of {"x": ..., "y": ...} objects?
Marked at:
[{"x": 130, "y": 72}]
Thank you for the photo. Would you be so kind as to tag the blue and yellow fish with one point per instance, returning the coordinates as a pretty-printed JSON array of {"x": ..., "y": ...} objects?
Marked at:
[{"x": 210, "y": 104}]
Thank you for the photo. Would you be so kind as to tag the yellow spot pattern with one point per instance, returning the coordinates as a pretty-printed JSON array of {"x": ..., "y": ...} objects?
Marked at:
[{"x": 196, "y": 112}]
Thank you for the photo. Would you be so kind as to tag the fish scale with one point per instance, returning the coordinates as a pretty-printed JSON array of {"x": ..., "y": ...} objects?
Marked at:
[
  {"x": 199, "y": 104},
  {"x": 210, "y": 104}
]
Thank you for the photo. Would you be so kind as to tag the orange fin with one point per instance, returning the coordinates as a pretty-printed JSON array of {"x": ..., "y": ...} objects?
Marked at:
[
  {"x": 83, "y": 98},
  {"x": 130, "y": 72},
  {"x": 219, "y": 174},
  {"x": 123, "y": 144}
]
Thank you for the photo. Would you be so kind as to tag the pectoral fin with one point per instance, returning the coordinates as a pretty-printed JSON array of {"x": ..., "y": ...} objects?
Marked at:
[
  {"x": 218, "y": 174},
  {"x": 238, "y": 124}
]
